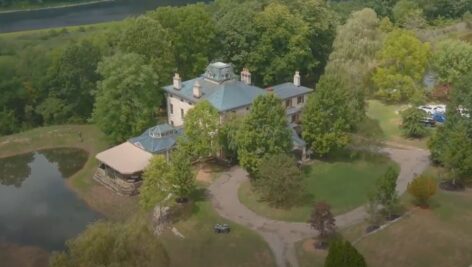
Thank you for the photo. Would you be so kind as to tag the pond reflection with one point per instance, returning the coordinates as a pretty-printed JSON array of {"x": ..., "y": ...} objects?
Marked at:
[{"x": 36, "y": 207}]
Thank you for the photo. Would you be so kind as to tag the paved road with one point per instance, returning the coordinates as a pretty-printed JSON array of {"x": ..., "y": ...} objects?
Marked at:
[{"x": 282, "y": 236}]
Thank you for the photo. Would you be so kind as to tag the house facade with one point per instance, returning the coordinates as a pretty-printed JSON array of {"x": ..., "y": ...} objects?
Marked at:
[{"x": 229, "y": 93}]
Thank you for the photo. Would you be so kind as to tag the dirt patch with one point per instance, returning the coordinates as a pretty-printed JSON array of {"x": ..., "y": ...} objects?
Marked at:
[
  {"x": 309, "y": 246},
  {"x": 204, "y": 175},
  {"x": 22, "y": 256}
]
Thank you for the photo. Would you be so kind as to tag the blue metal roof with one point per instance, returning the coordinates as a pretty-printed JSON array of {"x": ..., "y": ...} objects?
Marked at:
[
  {"x": 289, "y": 90},
  {"x": 158, "y": 139}
]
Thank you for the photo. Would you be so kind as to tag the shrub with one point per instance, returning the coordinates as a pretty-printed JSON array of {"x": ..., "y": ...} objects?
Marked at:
[
  {"x": 423, "y": 188},
  {"x": 279, "y": 181},
  {"x": 412, "y": 125},
  {"x": 323, "y": 220},
  {"x": 343, "y": 254}
]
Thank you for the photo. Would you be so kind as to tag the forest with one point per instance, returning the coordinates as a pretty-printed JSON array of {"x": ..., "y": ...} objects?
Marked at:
[{"x": 56, "y": 76}]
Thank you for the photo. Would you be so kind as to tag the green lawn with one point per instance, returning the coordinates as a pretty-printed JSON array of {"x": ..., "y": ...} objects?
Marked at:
[
  {"x": 343, "y": 183},
  {"x": 203, "y": 248},
  {"x": 435, "y": 237},
  {"x": 384, "y": 123}
]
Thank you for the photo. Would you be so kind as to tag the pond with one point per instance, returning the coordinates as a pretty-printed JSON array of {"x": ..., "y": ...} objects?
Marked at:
[
  {"x": 36, "y": 207},
  {"x": 81, "y": 14}
]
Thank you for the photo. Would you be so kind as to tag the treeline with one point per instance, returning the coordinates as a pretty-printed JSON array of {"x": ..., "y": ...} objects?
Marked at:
[
  {"x": 40, "y": 86},
  {"x": 430, "y": 11}
]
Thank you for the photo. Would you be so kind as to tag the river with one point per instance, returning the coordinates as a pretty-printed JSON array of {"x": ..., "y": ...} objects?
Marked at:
[{"x": 80, "y": 14}]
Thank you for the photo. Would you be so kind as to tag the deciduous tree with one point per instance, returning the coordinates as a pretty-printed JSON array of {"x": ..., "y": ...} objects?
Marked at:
[
  {"x": 385, "y": 193},
  {"x": 452, "y": 60},
  {"x": 403, "y": 60},
  {"x": 201, "y": 127},
  {"x": 126, "y": 98},
  {"x": 326, "y": 117},
  {"x": 279, "y": 182},
  {"x": 264, "y": 131},
  {"x": 322, "y": 220},
  {"x": 156, "y": 182},
  {"x": 181, "y": 174}
]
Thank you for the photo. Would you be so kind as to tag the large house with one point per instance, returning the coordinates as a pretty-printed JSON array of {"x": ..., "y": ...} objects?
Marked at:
[
  {"x": 121, "y": 167},
  {"x": 220, "y": 86}
]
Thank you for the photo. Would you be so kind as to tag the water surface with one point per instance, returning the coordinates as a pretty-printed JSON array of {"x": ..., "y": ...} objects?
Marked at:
[
  {"x": 83, "y": 14},
  {"x": 36, "y": 207}
]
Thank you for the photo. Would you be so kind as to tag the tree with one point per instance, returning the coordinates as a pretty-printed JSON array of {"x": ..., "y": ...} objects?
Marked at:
[
  {"x": 192, "y": 32},
  {"x": 412, "y": 125},
  {"x": 126, "y": 98},
  {"x": 280, "y": 181},
  {"x": 54, "y": 110},
  {"x": 342, "y": 254},
  {"x": 282, "y": 46},
  {"x": 422, "y": 188},
  {"x": 322, "y": 220},
  {"x": 403, "y": 60},
  {"x": 264, "y": 131},
  {"x": 72, "y": 77},
  {"x": 326, "y": 117},
  {"x": 228, "y": 135},
  {"x": 354, "y": 50},
  {"x": 452, "y": 60},
  {"x": 113, "y": 245},
  {"x": 451, "y": 145},
  {"x": 201, "y": 127},
  {"x": 156, "y": 182},
  {"x": 408, "y": 14},
  {"x": 147, "y": 37},
  {"x": 386, "y": 193},
  {"x": 181, "y": 174}
]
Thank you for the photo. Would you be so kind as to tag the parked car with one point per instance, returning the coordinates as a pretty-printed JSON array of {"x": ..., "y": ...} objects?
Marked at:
[
  {"x": 428, "y": 109},
  {"x": 221, "y": 228},
  {"x": 430, "y": 122}
]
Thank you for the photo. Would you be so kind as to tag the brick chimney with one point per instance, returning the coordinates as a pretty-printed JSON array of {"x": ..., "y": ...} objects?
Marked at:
[
  {"x": 297, "y": 79},
  {"x": 246, "y": 76},
  {"x": 177, "y": 82},
  {"x": 197, "y": 90}
]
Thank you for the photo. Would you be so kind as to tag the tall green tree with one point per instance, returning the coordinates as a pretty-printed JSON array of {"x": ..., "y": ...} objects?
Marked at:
[
  {"x": 72, "y": 77},
  {"x": 147, "y": 37},
  {"x": 326, "y": 118},
  {"x": 156, "y": 182},
  {"x": 451, "y": 145},
  {"x": 343, "y": 254},
  {"x": 452, "y": 60},
  {"x": 385, "y": 193},
  {"x": 264, "y": 131},
  {"x": 127, "y": 96},
  {"x": 201, "y": 128},
  {"x": 280, "y": 181},
  {"x": 181, "y": 174},
  {"x": 403, "y": 61},
  {"x": 193, "y": 35},
  {"x": 408, "y": 14},
  {"x": 283, "y": 46}
]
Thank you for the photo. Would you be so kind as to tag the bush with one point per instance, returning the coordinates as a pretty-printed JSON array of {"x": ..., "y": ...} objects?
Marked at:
[
  {"x": 423, "y": 188},
  {"x": 343, "y": 254},
  {"x": 412, "y": 125}
]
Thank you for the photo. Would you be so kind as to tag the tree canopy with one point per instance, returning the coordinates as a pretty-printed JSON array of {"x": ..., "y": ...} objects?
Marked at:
[
  {"x": 326, "y": 118},
  {"x": 403, "y": 60},
  {"x": 343, "y": 254},
  {"x": 264, "y": 131},
  {"x": 452, "y": 60},
  {"x": 156, "y": 182},
  {"x": 126, "y": 98}
]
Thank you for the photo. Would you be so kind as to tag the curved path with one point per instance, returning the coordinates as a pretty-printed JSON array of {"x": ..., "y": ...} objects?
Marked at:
[{"x": 282, "y": 236}]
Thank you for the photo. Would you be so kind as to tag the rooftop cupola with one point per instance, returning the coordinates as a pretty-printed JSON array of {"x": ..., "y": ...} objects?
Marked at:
[
  {"x": 246, "y": 76},
  {"x": 219, "y": 72},
  {"x": 177, "y": 82},
  {"x": 197, "y": 89},
  {"x": 297, "y": 79}
]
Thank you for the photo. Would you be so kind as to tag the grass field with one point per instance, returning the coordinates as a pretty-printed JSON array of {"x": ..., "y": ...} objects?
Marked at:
[
  {"x": 435, "y": 237},
  {"x": 203, "y": 248},
  {"x": 385, "y": 121},
  {"x": 343, "y": 183}
]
